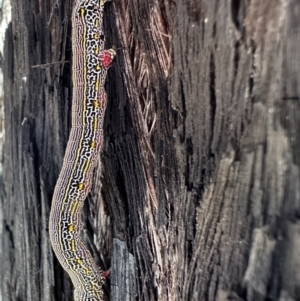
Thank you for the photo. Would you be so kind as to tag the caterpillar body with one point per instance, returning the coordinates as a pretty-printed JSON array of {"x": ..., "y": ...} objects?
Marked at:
[{"x": 89, "y": 69}]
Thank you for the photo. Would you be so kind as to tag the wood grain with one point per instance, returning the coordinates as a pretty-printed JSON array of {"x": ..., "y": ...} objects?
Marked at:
[{"x": 201, "y": 159}]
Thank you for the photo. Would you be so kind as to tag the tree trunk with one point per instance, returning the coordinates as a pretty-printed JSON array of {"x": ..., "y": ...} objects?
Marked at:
[{"x": 197, "y": 192}]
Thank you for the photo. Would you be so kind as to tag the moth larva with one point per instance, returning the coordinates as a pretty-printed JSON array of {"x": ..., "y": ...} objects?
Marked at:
[{"x": 90, "y": 65}]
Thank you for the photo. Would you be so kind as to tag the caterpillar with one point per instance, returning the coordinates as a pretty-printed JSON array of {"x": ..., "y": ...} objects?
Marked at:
[{"x": 89, "y": 70}]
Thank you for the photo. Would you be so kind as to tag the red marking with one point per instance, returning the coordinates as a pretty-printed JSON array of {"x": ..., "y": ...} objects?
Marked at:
[
  {"x": 106, "y": 274},
  {"x": 107, "y": 59}
]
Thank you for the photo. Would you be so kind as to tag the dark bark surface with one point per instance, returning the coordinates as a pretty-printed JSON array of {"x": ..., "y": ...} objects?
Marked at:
[{"x": 197, "y": 192}]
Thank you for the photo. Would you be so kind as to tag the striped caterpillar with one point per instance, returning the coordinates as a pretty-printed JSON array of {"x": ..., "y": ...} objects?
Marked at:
[{"x": 90, "y": 65}]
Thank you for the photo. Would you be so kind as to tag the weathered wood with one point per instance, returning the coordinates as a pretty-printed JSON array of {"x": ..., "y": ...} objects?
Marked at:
[
  {"x": 198, "y": 194},
  {"x": 123, "y": 274},
  {"x": 37, "y": 123}
]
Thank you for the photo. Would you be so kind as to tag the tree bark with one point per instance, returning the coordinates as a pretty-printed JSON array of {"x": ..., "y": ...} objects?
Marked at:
[{"x": 197, "y": 192}]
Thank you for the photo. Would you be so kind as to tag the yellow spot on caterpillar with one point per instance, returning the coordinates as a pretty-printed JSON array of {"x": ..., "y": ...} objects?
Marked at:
[
  {"x": 96, "y": 104},
  {"x": 80, "y": 186},
  {"x": 71, "y": 228},
  {"x": 93, "y": 144},
  {"x": 79, "y": 261},
  {"x": 73, "y": 245},
  {"x": 74, "y": 207},
  {"x": 96, "y": 124},
  {"x": 98, "y": 67},
  {"x": 96, "y": 22},
  {"x": 97, "y": 85},
  {"x": 97, "y": 50},
  {"x": 86, "y": 166},
  {"x": 96, "y": 36},
  {"x": 94, "y": 285},
  {"x": 82, "y": 11}
]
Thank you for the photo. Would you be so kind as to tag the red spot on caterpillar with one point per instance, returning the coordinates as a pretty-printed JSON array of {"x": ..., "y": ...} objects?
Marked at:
[
  {"x": 106, "y": 274},
  {"x": 107, "y": 58}
]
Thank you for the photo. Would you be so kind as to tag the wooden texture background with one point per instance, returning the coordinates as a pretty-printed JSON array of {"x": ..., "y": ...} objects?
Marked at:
[{"x": 197, "y": 192}]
